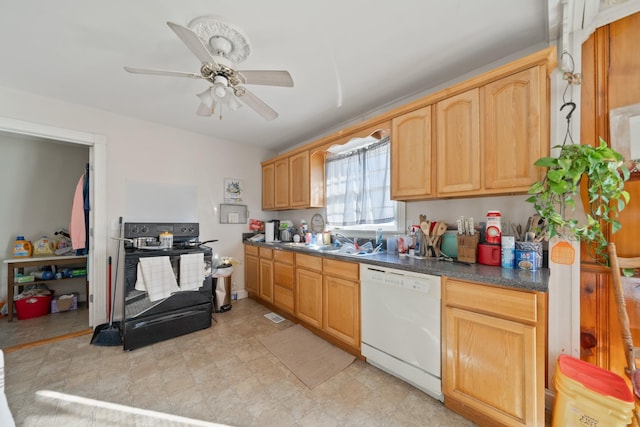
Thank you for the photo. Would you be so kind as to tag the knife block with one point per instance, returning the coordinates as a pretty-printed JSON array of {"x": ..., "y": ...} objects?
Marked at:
[{"x": 468, "y": 247}]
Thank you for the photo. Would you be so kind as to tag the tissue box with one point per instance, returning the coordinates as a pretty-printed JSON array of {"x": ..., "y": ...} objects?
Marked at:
[{"x": 68, "y": 303}]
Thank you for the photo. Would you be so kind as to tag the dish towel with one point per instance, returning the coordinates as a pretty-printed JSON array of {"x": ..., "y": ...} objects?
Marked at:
[
  {"x": 155, "y": 276},
  {"x": 191, "y": 271}
]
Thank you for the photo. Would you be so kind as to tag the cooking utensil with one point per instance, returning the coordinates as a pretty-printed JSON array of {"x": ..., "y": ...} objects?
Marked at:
[{"x": 440, "y": 229}]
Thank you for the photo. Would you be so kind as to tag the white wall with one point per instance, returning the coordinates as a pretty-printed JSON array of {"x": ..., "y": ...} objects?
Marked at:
[
  {"x": 39, "y": 179},
  {"x": 146, "y": 152}
]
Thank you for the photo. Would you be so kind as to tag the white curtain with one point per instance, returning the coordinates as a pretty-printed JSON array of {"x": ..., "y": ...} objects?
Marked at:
[{"x": 358, "y": 186}]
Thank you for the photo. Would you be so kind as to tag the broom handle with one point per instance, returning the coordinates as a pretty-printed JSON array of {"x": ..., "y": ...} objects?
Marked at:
[
  {"x": 115, "y": 282},
  {"x": 109, "y": 294}
]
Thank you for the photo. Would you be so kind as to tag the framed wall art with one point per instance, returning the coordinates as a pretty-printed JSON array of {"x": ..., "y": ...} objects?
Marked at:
[{"x": 232, "y": 190}]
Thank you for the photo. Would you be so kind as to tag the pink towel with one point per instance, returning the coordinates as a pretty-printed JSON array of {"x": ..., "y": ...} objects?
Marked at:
[{"x": 76, "y": 226}]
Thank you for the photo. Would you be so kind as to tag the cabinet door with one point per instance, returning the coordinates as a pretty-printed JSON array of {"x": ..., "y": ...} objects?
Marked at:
[
  {"x": 458, "y": 144},
  {"x": 268, "y": 186},
  {"x": 299, "y": 175},
  {"x": 282, "y": 183},
  {"x": 251, "y": 274},
  {"x": 516, "y": 130},
  {"x": 342, "y": 309},
  {"x": 411, "y": 158},
  {"x": 266, "y": 279},
  {"x": 308, "y": 296},
  {"x": 490, "y": 367}
]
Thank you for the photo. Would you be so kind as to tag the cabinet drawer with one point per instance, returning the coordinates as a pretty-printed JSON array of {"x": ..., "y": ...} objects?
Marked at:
[
  {"x": 283, "y": 275},
  {"x": 504, "y": 303},
  {"x": 266, "y": 253},
  {"x": 251, "y": 250},
  {"x": 283, "y": 298},
  {"x": 308, "y": 261},
  {"x": 283, "y": 256},
  {"x": 345, "y": 270}
]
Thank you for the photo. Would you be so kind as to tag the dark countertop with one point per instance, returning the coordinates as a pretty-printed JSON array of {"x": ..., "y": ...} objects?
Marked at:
[{"x": 512, "y": 278}]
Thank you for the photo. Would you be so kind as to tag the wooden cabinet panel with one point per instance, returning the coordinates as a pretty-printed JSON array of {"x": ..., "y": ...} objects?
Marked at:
[
  {"x": 251, "y": 250},
  {"x": 299, "y": 175},
  {"x": 309, "y": 262},
  {"x": 493, "y": 353},
  {"x": 268, "y": 186},
  {"x": 521, "y": 306},
  {"x": 265, "y": 253},
  {"x": 342, "y": 309},
  {"x": 344, "y": 269},
  {"x": 516, "y": 130},
  {"x": 411, "y": 155},
  {"x": 266, "y": 279},
  {"x": 283, "y": 280},
  {"x": 308, "y": 296},
  {"x": 489, "y": 366},
  {"x": 458, "y": 144},
  {"x": 251, "y": 274},
  {"x": 281, "y": 187}
]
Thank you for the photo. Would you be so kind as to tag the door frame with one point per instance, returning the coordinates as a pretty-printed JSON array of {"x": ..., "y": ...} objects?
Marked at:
[{"x": 96, "y": 267}]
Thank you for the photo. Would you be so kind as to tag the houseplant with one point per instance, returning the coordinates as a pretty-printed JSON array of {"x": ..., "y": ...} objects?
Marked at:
[{"x": 601, "y": 169}]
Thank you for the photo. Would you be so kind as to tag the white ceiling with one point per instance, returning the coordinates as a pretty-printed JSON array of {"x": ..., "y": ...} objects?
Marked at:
[{"x": 346, "y": 58}]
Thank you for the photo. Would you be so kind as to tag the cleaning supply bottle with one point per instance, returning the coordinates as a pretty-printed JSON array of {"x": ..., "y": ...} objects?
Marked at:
[{"x": 22, "y": 248}]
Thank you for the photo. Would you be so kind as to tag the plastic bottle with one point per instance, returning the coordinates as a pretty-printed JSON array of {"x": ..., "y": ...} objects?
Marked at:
[
  {"x": 22, "y": 248},
  {"x": 378, "y": 236}
]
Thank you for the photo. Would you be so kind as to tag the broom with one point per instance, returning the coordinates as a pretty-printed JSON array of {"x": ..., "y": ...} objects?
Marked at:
[{"x": 109, "y": 334}]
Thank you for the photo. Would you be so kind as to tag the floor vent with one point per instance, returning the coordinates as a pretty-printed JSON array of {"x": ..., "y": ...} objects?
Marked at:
[{"x": 274, "y": 317}]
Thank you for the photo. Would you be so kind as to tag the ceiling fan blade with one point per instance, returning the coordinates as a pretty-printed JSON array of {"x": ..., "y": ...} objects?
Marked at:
[
  {"x": 268, "y": 77},
  {"x": 194, "y": 43},
  {"x": 258, "y": 105},
  {"x": 135, "y": 70}
]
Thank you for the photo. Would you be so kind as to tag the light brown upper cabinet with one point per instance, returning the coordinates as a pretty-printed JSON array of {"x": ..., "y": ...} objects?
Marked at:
[
  {"x": 458, "y": 143},
  {"x": 281, "y": 183},
  {"x": 478, "y": 137},
  {"x": 268, "y": 186},
  {"x": 516, "y": 130},
  {"x": 294, "y": 182},
  {"x": 488, "y": 138},
  {"x": 299, "y": 191},
  {"x": 411, "y": 155}
]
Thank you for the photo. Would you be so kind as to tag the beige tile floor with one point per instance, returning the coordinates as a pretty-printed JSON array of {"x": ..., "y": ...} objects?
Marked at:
[
  {"x": 25, "y": 331},
  {"x": 222, "y": 374}
]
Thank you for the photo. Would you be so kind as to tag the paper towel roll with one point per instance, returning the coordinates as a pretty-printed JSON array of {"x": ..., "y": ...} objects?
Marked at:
[{"x": 268, "y": 231}]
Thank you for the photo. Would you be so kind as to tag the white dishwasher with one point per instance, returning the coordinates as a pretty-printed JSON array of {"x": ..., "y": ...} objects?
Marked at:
[{"x": 401, "y": 325}]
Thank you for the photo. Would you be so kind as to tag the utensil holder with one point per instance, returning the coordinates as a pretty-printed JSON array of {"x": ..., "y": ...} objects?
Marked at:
[{"x": 468, "y": 247}]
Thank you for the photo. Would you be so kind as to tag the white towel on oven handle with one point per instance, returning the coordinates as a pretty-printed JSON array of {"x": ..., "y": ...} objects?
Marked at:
[
  {"x": 191, "y": 271},
  {"x": 155, "y": 276}
]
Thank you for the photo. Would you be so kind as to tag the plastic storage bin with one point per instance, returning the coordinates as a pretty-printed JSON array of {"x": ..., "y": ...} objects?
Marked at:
[
  {"x": 33, "y": 306},
  {"x": 587, "y": 395}
]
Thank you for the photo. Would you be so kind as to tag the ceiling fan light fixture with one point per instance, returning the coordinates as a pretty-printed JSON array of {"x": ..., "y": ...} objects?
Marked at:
[
  {"x": 220, "y": 84},
  {"x": 205, "y": 97},
  {"x": 204, "y": 110}
]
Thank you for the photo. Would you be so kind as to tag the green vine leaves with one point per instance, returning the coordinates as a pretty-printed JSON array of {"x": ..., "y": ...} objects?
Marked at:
[{"x": 604, "y": 173}]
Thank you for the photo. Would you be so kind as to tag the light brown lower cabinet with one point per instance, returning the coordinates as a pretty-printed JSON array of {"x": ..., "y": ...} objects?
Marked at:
[
  {"x": 251, "y": 270},
  {"x": 309, "y": 289},
  {"x": 342, "y": 301},
  {"x": 494, "y": 353},
  {"x": 266, "y": 274}
]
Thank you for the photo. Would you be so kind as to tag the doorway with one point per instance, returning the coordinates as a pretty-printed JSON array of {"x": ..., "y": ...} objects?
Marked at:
[{"x": 96, "y": 268}]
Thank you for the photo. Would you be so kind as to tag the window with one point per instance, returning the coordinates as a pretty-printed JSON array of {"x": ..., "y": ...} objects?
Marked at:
[{"x": 358, "y": 189}]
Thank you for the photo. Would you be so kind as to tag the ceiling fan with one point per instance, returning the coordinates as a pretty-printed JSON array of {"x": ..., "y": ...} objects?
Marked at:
[{"x": 219, "y": 46}]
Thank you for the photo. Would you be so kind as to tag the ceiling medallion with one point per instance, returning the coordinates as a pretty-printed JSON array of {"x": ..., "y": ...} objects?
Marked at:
[{"x": 221, "y": 38}]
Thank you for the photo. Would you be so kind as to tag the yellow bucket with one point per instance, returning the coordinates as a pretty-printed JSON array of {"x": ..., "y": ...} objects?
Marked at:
[{"x": 589, "y": 396}]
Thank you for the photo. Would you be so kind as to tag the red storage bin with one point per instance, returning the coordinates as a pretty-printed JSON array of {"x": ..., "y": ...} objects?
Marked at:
[{"x": 34, "y": 306}]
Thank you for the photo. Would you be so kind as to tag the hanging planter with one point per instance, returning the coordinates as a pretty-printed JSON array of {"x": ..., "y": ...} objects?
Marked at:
[{"x": 601, "y": 169}]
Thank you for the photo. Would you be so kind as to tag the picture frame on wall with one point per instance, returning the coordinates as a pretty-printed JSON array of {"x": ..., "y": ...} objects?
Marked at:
[{"x": 233, "y": 189}]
